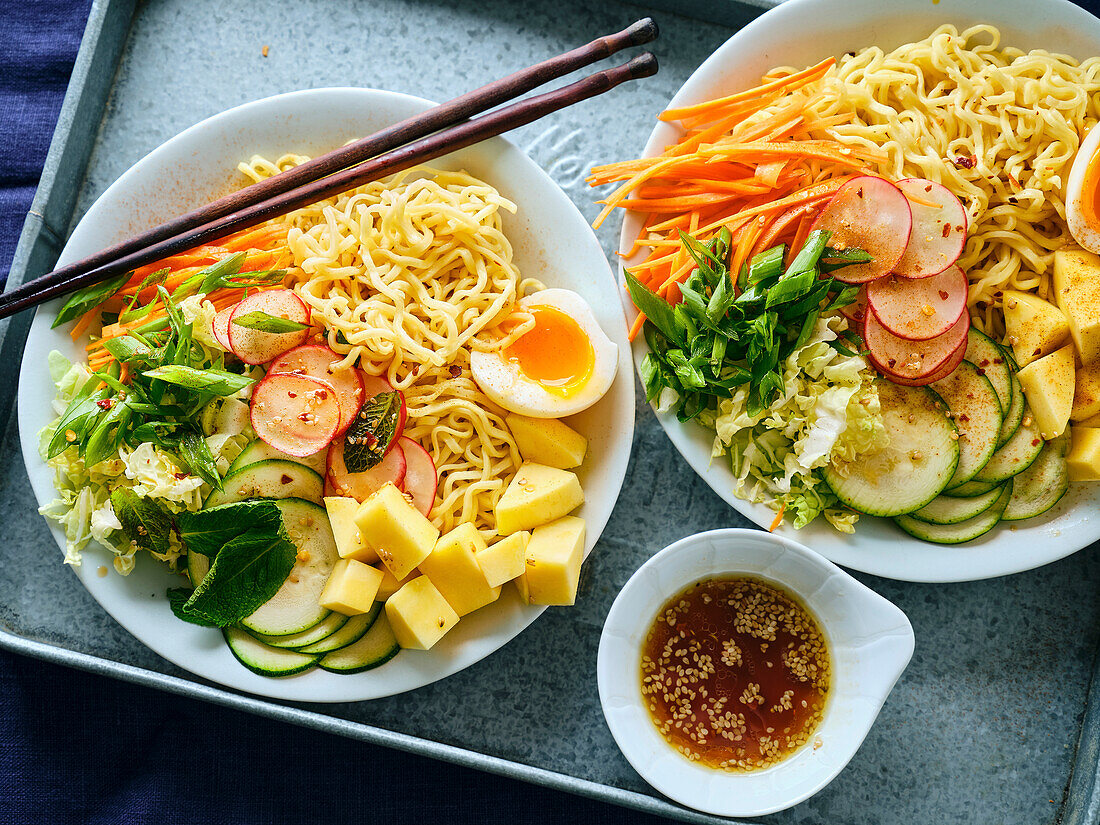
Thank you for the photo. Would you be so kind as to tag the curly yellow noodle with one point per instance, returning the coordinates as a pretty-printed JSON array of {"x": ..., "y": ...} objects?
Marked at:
[
  {"x": 406, "y": 277},
  {"x": 961, "y": 95}
]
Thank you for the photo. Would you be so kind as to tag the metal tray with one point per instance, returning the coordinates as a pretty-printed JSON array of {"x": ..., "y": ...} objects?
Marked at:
[{"x": 992, "y": 723}]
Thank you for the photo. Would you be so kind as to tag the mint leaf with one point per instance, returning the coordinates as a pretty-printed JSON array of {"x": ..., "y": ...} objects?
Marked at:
[
  {"x": 196, "y": 453},
  {"x": 143, "y": 522},
  {"x": 177, "y": 600},
  {"x": 265, "y": 322},
  {"x": 213, "y": 381},
  {"x": 207, "y": 531},
  {"x": 371, "y": 433}
]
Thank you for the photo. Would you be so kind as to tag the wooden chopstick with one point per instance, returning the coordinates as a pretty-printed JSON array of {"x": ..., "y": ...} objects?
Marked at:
[{"x": 240, "y": 206}]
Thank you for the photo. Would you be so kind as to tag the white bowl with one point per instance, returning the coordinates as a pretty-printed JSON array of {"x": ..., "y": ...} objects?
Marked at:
[
  {"x": 871, "y": 642},
  {"x": 552, "y": 241},
  {"x": 802, "y": 32}
]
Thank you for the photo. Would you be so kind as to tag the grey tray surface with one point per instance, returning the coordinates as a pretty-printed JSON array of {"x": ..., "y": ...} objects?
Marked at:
[{"x": 991, "y": 722}]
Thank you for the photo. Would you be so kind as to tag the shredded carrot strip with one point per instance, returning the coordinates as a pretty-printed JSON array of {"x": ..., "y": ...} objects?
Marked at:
[{"x": 778, "y": 517}]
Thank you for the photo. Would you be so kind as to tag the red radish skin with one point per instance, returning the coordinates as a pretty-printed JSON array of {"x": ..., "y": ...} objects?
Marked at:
[
  {"x": 221, "y": 327},
  {"x": 317, "y": 360},
  {"x": 361, "y": 486},
  {"x": 912, "y": 360},
  {"x": 331, "y": 490},
  {"x": 938, "y": 234},
  {"x": 421, "y": 477},
  {"x": 295, "y": 413},
  {"x": 374, "y": 384},
  {"x": 856, "y": 311},
  {"x": 918, "y": 310},
  {"x": 949, "y": 367},
  {"x": 255, "y": 347},
  {"x": 871, "y": 214}
]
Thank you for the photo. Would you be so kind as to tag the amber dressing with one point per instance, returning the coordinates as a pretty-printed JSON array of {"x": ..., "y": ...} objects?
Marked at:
[{"x": 735, "y": 673}]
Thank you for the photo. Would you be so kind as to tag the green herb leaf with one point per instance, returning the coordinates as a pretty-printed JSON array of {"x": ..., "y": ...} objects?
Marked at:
[
  {"x": 73, "y": 423},
  {"x": 810, "y": 252},
  {"x": 206, "y": 531},
  {"x": 654, "y": 307},
  {"x": 142, "y": 519},
  {"x": 370, "y": 434},
  {"x": 216, "y": 275},
  {"x": 89, "y": 298},
  {"x": 263, "y": 322},
  {"x": 194, "y": 450},
  {"x": 213, "y": 381}
]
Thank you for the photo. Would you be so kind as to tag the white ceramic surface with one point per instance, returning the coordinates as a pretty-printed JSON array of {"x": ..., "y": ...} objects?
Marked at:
[
  {"x": 799, "y": 33},
  {"x": 870, "y": 639},
  {"x": 552, "y": 242}
]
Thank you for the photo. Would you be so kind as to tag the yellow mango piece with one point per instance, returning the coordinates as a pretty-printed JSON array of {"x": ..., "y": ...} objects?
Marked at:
[
  {"x": 1033, "y": 327},
  {"x": 1077, "y": 290},
  {"x": 552, "y": 568},
  {"x": 453, "y": 569},
  {"x": 419, "y": 615},
  {"x": 351, "y": 588},
  {"x": 1086, "y": 393},
  {"x": 1048, "y": 386},
  {"x": 1083, "y": 457},
  {"x": 502, "y": 561},
  {"x": 391, "y": 585},
  {"x": 1088, "y": 422},
  {"x": 547, "y": 441},
  {"x": 349, "y": 538},
  {"x": 538, "y": 494},
  {"x": 398, "y": 532}
]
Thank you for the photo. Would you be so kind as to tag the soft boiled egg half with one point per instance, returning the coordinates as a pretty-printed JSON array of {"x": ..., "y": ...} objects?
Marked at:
[
  {"x": 563, "y": 365},
  {"x": 1083, "y": 194}
]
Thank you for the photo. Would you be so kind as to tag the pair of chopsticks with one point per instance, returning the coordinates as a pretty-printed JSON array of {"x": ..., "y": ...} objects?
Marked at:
[{"x": 440, "y": 130}]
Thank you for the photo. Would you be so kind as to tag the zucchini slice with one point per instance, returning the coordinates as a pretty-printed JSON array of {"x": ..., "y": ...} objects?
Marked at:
[
  {"x": 951, "y": 510},
  {"x": 271, "y": 478},
  {"x": 311, "y": 635},
  {"x": 971, "y": 488},
  {"x": 352, "y": 631},
  {"x": 977, "y": 413},
  {"x": 1016, "y": 455},
  {"x": 913, "y": 468},
  {"x": 377, "y": 647},
  {"x": 1041, "y": 485},
  {"x": 1015, "y": 413},
  {"x": 259, "y": 450},
  {"x": 989, "y": 359},
  {"x": 963, "y": 531},
  {"x": 265, "y": 659}
]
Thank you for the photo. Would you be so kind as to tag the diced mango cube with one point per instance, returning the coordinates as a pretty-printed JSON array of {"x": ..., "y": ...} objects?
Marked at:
[
  {"x": 453, "y": 569},
  {"x": 1089, "y": 422},
  {"x": 553, "y": 564},
  {"x": 1083, "y": 458},
  {"x": 547, "y": 441},
  {"x": 1077, "y": 290},
  {"x": 1048, "y": 386},
  {"x": 1086, "y": 393},
  {"x": 503, "y": 560},
  {"x": 398, "y": 532},
  {"x": 391, "y": 585},
  {"x": 538, "y": 494},
  {"x": 349, "y": 538},
  {"x": 419, "y": 615},
  {"x": 351, "y": 588},
  {"x": 1033, "y": 327}
]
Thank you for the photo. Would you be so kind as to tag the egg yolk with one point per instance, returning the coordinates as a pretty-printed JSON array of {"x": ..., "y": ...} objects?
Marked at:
[
  {"x": 556, "y": 353},
  {"x": 1090, "y": 193}
]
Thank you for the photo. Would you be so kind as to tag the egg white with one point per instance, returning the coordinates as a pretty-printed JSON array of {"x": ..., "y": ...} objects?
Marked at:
[
  {"x": 1086, "y": 235},
  {"x": 508, "y": 387}
]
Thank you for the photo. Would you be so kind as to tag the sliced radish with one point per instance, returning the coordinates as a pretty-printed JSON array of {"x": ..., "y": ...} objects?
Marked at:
[
  {"x": 949, "y": 366},
  {"x": 421, "y": 477},
  {"x": 857, "y": 310},
  {"x": 295, "y": 413},
  {"x": 221, "y": 327},
  {"x": 255, "y": 347},
  {"x": 919, "y": 309},
  {"x": 374, "y": 384},
  {"x": 871, "y": 214},
  {"x": 360, "y": 486},
  {"x": 912, "y": 360},
  {"x": 317, "y": 361},
  {"x": 331, "y": 490},
  {"x": 938, "y": 234}
]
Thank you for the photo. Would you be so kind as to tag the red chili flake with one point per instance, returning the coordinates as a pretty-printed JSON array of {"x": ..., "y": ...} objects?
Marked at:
[
  {"x": 946, "y": 229},
  {"x": 1012, "y": 178},
  {"x": 943, "y": 295},
  {"x": 285, "y": 479},
  {"x": 304, "y": 417},
  {"x": 959, "y": 228},
  {"x": 964, "y": 417},
  {"x": 455, "y": 371},
  {"x": 965, "y": 161},
  {"x": 998, "y": 360},
  {"x": 1037, "y": 351},
  {"x": 105, "y": 403},
  {"x": 928, "y": 188},
  {"x": 891, "y": 362},
  {"x": 859, "y": 193},
  {"x": 180, "y": 476},
  {"x": 1035, "y": 442},
  {"x": 292, "y": 394},
  {"x": 980, "y": 371},
  {"x": 322, "y": 394}
]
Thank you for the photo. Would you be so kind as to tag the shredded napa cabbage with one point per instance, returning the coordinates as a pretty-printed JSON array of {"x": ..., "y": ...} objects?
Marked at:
[
  {"x": 83, "y": 506},
  {"x": 829, "y": 409}
]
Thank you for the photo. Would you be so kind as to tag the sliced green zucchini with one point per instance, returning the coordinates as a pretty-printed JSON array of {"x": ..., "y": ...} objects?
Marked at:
[
  {"x": 377, "y": 647},
  {"x": 351, "y": 632},
  {"x": 272, "y": 478},
  {"x": 950, "y": 510},
  {"x": 989, "y": 359},
  {"x": 319, "y": 632},
  {"x": 913, "y": 468},
  {"x": 260, "y": 450},
  {"x": 1016, "y": 455},
  {"x": 971, "y": 488},
  {"x": 296, "y": 606},
  {"x": 265, "y": 659},
  {"x": 963, "y": 531},
  {"x": 977, "y": 414},
  {"x": 1041, "y": 485},
  {"x": 1015, "y": 413}
]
